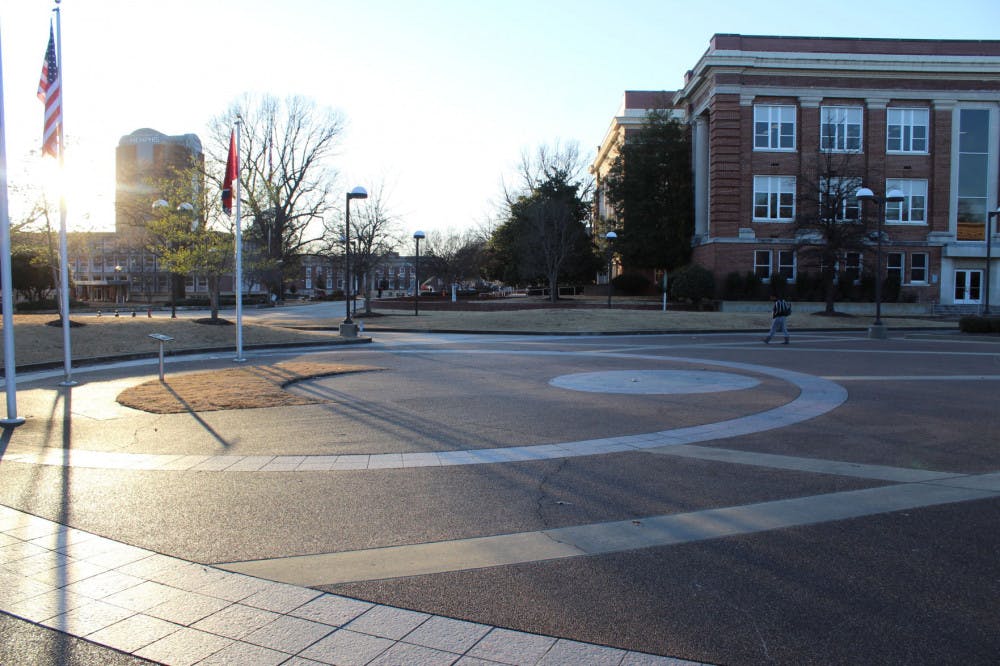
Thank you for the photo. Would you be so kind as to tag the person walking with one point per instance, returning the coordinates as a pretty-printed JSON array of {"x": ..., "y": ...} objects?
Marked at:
[{"x": 779, "y": 319}]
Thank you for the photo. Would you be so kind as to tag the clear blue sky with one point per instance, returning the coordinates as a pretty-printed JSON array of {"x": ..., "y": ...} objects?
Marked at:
[{"x": 440, "y": 96}]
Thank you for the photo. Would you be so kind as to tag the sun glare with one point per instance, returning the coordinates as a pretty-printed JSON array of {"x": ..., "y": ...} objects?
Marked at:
[{"x": 87, "y": 184}]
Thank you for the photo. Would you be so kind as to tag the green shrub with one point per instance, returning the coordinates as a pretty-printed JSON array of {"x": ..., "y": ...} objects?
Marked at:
[
  {"x": 755, "y": 288},
  {"x": 979, "y": 324},
  {"x": 809, "y": 286},
  {"x": 692, "y": 283},
  {"x": 733, "y": 287},
  {"x": 891, "y": 287},
  {"x": 631, "y": 283},
  {"x": 779, "y": 285},
  {"x": 36, "y": 306}
]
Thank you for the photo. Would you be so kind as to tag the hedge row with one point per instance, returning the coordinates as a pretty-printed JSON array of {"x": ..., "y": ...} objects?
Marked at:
[{"x": 979, "y": 324}]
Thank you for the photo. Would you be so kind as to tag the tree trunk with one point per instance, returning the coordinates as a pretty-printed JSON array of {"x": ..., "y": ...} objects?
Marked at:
[
  {"x": 213, "y": 295},
  {"x": 553, "y": 287},
  {"x": 368, "y": 294},
  {"x": 830, "y": 291}
]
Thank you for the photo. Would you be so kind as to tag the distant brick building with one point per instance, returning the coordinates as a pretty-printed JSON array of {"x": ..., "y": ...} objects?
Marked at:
[{"x": 921, "y": 116}]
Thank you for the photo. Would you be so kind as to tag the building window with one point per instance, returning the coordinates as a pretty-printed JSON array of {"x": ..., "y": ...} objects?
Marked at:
[
  {"x": 894, "y": 266},
  {"x": 918, "y": 267},
  {"x": 773, "y": 198},
  {"x": 786, "y": 264},
  {"x": 973, "y": 173},
  {"x": 838, "y": 199},
  {"x": 309, "y": 271},
  {"x": 773, "y": 127},
  {"x": 840, "y": 129},
  {"x": 762, "y": 264},
  {"x": 852, "y": 267},
  {"x": 329, "y": 281},
  {"x": 913, "y": 208},
  {"x": 309, "y": 283},
  {"x": 906, "y": 130}
]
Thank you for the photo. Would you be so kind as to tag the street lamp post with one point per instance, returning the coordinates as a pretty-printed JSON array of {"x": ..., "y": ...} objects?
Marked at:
[
  {"x": 878, "y": 329},
  {"x": 349, "y": 329},
  {"x": 610, "y": 237},
  {"x": 417, "y": 235},
  {"x": 118, "y": 283},
  {"x": 989, "y": 242}
]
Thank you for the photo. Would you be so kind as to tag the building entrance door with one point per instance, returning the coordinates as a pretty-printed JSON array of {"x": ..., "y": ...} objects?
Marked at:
[{"x": 968, "y": 286}]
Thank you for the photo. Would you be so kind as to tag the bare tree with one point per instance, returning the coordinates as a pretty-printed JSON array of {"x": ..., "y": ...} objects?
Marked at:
[
  {"x": 544, "y": 234},
  {"x": 286, "y": 175},
  {"x": 828, "y": 222},
  {"x": 375, "y": 233},
  {"x": 455, "y": 257},
  {"x": 535, "y": 169}
]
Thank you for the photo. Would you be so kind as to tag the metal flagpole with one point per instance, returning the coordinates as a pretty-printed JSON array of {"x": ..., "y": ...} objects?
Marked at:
[
  {"x": 63, "y": 259},
  {"x": 9, "y": 364},
  {"x": 239, "y": 251}
]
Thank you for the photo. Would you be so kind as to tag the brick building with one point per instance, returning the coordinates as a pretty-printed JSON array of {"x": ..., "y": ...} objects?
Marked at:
[{"x": 920, "y": 116}]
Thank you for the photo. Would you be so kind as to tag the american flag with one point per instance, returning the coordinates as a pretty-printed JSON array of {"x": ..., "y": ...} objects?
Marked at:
[{"x": 50, "y": 92}]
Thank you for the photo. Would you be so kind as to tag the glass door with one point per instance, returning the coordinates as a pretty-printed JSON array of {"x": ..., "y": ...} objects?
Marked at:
[{"x": 968, "y": 286}]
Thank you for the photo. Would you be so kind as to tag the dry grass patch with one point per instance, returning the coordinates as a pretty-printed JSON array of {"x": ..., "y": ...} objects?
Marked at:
[
  {"x": 234, "y": 388},
  {"x": 37, "y": 342}
]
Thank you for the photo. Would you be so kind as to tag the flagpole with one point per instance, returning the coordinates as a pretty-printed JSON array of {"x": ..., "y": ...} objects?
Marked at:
[
  {"x": 9, "y": 362},
  {"x": 63, "y": 258},
  {"x": 239, "y": 250}
]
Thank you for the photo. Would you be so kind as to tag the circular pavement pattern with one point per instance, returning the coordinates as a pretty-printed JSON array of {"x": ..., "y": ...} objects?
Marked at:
[
  {"x": 816, "y": 396},
  {"x": 654, "y": 382}
]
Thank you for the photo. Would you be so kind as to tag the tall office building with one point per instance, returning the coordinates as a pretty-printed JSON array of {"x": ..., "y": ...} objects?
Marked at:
[{"x": 147, "y": 166}]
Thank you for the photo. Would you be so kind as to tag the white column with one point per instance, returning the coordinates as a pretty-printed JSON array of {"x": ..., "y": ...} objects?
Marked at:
[{"x": 700, "y": 150}]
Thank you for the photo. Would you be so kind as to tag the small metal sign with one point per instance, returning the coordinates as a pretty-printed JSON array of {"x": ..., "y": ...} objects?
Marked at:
[{"x": 162, "y": 338}]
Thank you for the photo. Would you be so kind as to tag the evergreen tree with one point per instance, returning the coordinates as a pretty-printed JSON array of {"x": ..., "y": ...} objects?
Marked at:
[{"x": 650, "y": 188}]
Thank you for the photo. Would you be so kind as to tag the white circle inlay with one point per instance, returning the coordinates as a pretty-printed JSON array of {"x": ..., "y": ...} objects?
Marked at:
[{"x": 654, "y": 382}]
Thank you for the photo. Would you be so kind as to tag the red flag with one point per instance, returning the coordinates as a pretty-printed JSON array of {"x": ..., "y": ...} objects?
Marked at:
[
  {"x": 50, "y": 92},
  {"x": 232, "y": 173}
]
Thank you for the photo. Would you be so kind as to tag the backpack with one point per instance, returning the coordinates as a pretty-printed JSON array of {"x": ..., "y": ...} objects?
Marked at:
[{"x": 782, "y": 308}]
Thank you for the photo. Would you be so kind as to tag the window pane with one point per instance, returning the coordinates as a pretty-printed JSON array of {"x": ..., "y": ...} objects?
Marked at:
[
  {"x": 972, "y": 170},
  {"x": 787, "y": 135},
  {"x": 974, "y": 134},
  {"x": 760, "y": 135},
  {"x": 972, "y": 210},
  {"x": 895, "y": 139}
]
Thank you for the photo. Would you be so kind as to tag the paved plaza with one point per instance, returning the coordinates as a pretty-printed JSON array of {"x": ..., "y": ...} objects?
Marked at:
[{"x": 484, "y": 499}]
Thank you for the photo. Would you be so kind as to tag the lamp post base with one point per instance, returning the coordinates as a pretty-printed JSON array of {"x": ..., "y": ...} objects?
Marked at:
[
  {"x": 349, "y": 330},
  {"x": 878, "y": 331}
]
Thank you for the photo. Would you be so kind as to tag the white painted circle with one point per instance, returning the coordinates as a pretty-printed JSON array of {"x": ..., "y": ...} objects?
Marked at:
[{"x": 654, "y": 382}]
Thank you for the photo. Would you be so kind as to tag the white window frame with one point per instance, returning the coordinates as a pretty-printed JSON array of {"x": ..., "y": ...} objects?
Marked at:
[
  {"x": 775, "y": 118},
  {"x": 836, "y": 129},
  {"x": 309, "y": 283},
  {"x": 914, "y": 268},
  {"x": 774, "y": 189},
  {"x": 758, "y": 256},
  {"x": 783, "y": 256},
  {"x": 329, "y": 280},
  {"x": 898, "y": 268},
  {"x": 850, "y": 207},
  {"x": 907, "y": 123},
  {"x": 913, "y": 205}
]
